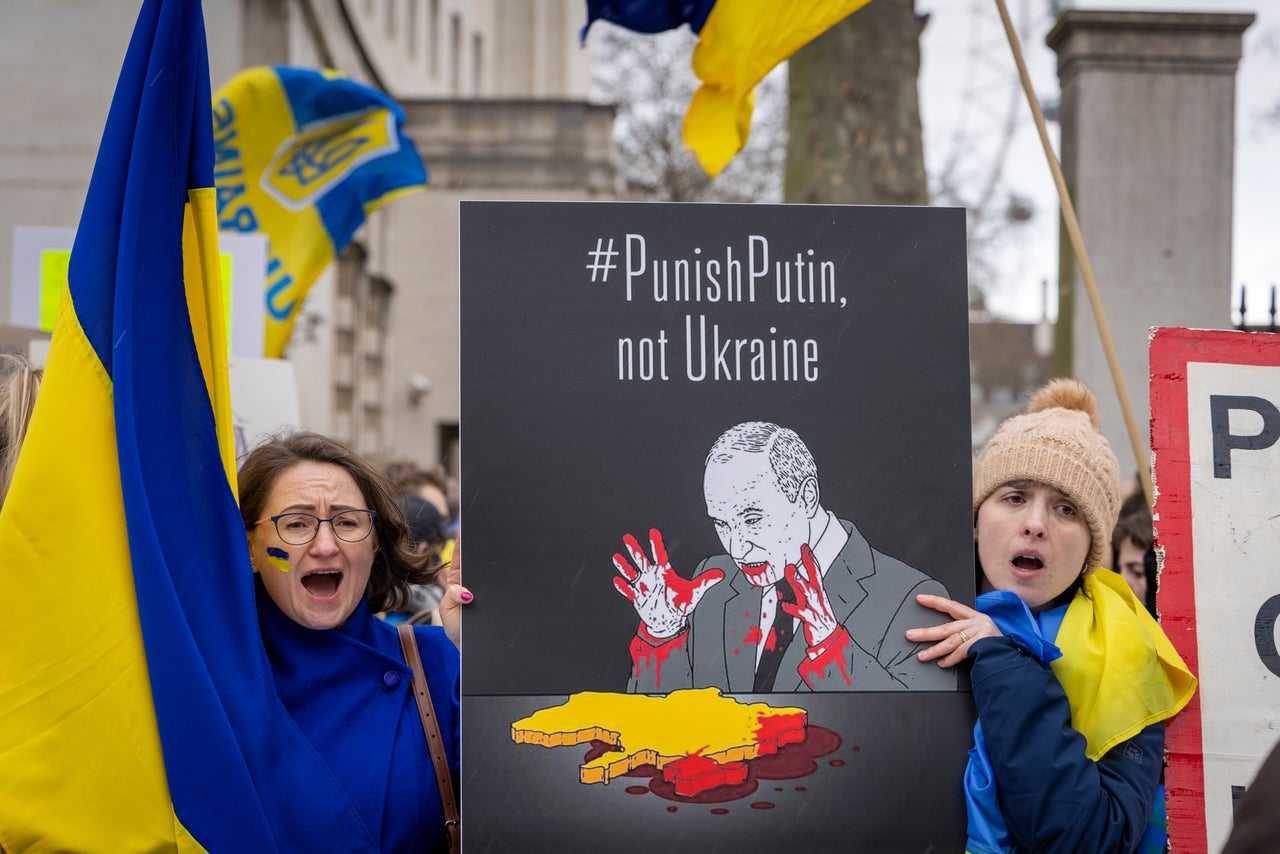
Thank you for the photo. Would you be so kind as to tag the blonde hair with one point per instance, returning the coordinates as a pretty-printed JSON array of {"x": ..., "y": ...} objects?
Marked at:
[{"x": 19, "y": 383}]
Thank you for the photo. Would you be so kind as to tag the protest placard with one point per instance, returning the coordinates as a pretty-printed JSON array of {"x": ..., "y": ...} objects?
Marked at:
[{"x": 660, "y": 404}]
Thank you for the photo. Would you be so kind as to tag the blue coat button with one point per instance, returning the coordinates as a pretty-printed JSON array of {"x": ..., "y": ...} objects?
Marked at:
[{"x": 390, "y": 680}]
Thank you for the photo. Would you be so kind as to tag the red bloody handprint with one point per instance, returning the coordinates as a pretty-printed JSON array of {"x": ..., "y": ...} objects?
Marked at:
[
  {"x": 663, "y": 599},
  {"x": 811, "y": 608}
]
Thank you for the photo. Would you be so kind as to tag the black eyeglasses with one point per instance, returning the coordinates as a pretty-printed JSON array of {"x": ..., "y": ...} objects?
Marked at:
[{"x": 298, "y": 529}]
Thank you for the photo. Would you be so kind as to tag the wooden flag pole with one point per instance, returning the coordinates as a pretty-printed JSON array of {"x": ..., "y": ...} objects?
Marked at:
[{"x": 1077, "y": 246}]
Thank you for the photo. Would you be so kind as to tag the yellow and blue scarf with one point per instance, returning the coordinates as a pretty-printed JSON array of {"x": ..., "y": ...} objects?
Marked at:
[{"x": 1119, "y": 671}]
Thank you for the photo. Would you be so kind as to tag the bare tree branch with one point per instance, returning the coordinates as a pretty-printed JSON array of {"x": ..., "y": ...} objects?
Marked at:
[{"x": 649, "y": 80}]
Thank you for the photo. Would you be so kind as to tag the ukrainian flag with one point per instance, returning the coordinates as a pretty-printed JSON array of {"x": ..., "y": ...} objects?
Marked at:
[
  {"x": 137, "y": 708},
  {"x": 740, "y": 41},
  {"x": 304, "y": 156}
]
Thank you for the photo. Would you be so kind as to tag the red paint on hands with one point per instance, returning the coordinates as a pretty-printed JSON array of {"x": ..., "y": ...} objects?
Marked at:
[
  {"x": 811, "y": 608},
  {"x": 628, "y": 577},
  {"x": 682, "y": 590},
  {"x": 663, "y": 599},
  {"x": 832, "y": 653},
  {"x": 648, "y": 652}
]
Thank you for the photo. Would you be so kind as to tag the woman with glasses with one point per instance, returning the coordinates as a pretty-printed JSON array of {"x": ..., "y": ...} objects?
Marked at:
[{"x": 330, "y": 549}]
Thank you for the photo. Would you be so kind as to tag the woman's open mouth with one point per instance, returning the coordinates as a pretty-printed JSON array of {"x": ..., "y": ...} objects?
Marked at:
[
  {"x": 1026, "y": 566},
  {"x": 323, "y": 584}
]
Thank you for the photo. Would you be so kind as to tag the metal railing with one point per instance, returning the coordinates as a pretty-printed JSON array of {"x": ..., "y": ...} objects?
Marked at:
[{"x": 1268, "y": 327}]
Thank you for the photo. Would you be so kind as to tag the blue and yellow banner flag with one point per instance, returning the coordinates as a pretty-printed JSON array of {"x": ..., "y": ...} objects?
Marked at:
[
  {"x": 304, "y": 156},
  {"x": 137, "y": 706},
  {"x": 740, "y": 41}
]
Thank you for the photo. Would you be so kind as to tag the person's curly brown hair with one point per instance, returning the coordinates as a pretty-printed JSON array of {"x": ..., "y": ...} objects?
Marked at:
[{"x": 395, "y": 566}]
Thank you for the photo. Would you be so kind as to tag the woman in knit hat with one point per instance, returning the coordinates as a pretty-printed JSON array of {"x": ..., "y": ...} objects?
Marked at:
[{"x": 1071, "y": 676}]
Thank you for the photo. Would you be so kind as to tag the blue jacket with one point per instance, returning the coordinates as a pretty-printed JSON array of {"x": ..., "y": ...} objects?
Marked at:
[
  {"x": 1053, "y": 797},
  {"x": 350, "y": 693}
]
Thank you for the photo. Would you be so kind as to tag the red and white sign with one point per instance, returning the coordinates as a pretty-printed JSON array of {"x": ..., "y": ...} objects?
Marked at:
[{"x": 1215, "y": 439}]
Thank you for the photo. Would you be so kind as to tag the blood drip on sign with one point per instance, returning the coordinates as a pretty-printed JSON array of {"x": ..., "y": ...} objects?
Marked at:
[
  {"x": 778, "y": 730},
  {"x": 693, "y": 774},
  {"x": 791, "y": 762}
]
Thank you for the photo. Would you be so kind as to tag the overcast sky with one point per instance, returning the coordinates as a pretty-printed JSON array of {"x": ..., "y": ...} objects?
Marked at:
[{"x": 965, "y": 52}]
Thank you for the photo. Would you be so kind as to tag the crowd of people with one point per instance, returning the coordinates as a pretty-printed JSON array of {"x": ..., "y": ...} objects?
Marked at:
[
  {"x": 343, "y": 551},
  {"x": 429, "y": 501}
]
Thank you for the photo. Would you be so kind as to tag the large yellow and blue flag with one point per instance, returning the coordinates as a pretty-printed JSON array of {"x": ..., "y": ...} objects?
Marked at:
[
  {"x": 740, "y": 41},
  {"x": 304, "y": 156},
  {"x": 137, "y": 707}
]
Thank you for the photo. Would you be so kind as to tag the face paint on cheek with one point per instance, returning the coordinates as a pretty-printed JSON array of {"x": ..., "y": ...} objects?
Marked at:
[{"x": 279, "y": 558}]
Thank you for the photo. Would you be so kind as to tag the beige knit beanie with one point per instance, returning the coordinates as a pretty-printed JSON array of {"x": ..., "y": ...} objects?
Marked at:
[{"x": 1057, "y": 443}]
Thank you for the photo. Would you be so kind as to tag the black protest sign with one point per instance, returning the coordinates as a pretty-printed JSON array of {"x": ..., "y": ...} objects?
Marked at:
[{"x": 713, "y": 448}]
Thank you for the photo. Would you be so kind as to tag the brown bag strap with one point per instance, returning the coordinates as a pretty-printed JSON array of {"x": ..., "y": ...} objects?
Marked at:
[{"x": 431, "y": 728}]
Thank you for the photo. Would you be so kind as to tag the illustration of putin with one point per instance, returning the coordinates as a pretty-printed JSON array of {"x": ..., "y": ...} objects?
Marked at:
[{"x": 799, "y": 602}]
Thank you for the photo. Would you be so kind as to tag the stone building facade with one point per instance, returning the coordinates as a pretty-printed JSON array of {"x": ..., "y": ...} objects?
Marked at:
[{"x": 496, "y": 97}]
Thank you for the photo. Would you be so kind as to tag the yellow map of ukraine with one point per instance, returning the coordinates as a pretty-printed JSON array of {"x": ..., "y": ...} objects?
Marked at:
[{"x": 698, "y": 738}]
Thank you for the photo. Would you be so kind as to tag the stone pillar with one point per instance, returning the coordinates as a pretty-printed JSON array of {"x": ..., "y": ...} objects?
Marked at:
[{"x": 1148, "y": 128}]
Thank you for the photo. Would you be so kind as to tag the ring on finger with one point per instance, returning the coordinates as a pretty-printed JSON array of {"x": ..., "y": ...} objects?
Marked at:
[{"x": 963, "y": 637}]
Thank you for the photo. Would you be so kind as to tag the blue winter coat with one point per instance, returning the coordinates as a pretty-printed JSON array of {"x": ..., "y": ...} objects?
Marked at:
[
  {"x": 1053, "y": 797},
  {"x": 350, "y": 693}
]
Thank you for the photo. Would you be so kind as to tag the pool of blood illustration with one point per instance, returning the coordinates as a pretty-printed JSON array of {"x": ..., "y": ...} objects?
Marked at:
[{"x": 791, "y": 762}]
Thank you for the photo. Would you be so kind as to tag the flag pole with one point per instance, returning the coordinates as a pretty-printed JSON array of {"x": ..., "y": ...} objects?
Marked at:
[{"x": 1077, "y": 246}]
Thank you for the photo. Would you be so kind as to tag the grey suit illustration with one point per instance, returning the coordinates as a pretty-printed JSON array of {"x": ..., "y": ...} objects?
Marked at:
[{"x": 799, "y": 601}]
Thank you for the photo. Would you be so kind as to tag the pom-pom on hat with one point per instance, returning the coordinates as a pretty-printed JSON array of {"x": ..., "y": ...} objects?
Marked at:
[{"x": 1056, "y": 442}]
